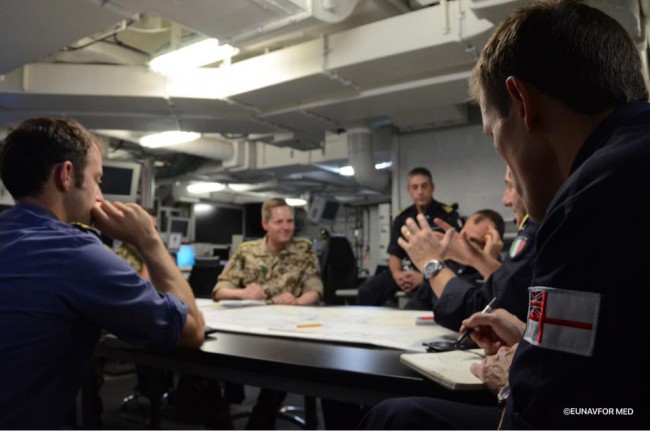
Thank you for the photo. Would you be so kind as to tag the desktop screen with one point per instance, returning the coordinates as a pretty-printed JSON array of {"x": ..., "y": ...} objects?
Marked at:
[
  {"x": 185, "y": 256},
  {"x": 116, "y": 181},
  {"x": 120, "y": 180},
  {"x": 179, "y": 225},
  {"x": 217, "y": 224}
]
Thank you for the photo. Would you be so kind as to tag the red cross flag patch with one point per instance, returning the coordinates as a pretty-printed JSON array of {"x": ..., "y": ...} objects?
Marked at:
[{"x": 562, "y": 320}]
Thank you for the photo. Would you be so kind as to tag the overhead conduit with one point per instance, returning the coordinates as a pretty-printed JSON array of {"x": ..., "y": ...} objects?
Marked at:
[{"x": 361, "y": 158}]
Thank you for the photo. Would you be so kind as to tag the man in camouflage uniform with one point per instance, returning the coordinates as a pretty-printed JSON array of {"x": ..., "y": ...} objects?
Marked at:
[
  {"x": 132, "y": 257},
  {"x": 278, "y": 268}
]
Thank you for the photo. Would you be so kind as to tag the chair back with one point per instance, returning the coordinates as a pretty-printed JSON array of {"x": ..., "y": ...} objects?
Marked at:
[
  {"x": 338, "y": 268},
  {"x": 204, "y": 276}
]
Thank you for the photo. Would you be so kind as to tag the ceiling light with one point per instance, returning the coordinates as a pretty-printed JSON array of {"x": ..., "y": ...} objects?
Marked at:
[
  {"x": 296, "y": 202},
  {"x": 192, "y": 57},
  {"x": 164, "y": 139},
  {"x": 205, "y": 187},
  {"x": 240, "y": 187},
  {"x": 384, "y": 165},
  {"x": 346, "y": 171}
]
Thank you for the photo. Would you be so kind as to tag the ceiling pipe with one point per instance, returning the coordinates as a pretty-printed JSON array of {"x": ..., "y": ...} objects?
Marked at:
[
  {"x": 362, "y": 159},
  {"x": 322, "y": 11},
  {"x": 206, "y": 147}
]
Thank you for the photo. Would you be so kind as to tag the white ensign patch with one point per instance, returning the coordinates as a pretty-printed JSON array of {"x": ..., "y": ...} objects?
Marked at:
[{"x": 563, "y": 320}]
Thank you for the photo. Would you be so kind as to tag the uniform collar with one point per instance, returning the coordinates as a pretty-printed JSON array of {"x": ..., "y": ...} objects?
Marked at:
[
  {"x": 626, "y": 114},
  {"x": 523, "y": 222}
]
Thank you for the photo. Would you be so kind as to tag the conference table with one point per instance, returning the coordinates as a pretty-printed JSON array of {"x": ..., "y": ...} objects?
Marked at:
[{"x": 356, "y": 373}]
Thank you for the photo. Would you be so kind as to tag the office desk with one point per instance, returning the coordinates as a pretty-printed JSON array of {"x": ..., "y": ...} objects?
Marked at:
[{"x": 352, "y": 373}]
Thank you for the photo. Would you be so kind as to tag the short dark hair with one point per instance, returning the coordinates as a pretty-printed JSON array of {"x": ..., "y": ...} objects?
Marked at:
[
  {"x": 572, "y": 52},
  {"x": 35, "y": 146},
  {"x": 496, "y": 218},
  {"x": 420, "y": 171}
]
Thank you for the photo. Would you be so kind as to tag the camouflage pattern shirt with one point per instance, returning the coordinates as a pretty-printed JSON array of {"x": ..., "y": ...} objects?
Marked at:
[
  {"x": 131, "y": 257},
  {"x": 293, "y": 269}
]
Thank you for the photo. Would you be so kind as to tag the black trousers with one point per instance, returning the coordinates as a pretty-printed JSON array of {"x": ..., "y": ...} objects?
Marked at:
[
  {"x": 417, "y": 413},
  {"x": 266, "y": 409},
  {"x": 377, "y": 289}
]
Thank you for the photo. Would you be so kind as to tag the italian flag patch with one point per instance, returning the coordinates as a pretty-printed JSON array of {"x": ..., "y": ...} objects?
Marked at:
[{"x": 517, "y": 246}]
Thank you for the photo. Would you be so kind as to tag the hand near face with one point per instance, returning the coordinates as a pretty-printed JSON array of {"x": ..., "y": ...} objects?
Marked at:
[
  {"x": 129, "y": 223},
  {"x": 420, "y": 242},
  {"x": 494, "y": 371},
  {"x": 253, "y": 291},
  {"x": 493, "y": 243}
]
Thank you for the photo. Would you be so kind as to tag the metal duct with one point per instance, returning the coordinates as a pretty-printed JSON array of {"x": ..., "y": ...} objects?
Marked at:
[
  {"x": 362, "y": 159},
  {"x": 208, "y": 148}
]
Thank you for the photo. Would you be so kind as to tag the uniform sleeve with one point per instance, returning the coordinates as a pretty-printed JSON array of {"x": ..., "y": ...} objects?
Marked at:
[
  {"x": 395, "y": 232},
  {"x": 232, "y": 275},
  {"x": 105, "y": 291},
  {"x": 454, "y": 220},
  {"x": 459, "y": 300},
  {"x": 311, "y": 276}
]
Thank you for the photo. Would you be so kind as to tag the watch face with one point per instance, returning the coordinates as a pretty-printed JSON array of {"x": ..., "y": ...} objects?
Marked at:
[{"x": 432, "y": 268}]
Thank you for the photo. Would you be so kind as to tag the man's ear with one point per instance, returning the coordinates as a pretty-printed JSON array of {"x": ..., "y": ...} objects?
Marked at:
[
  {"x": 524, "y": 100},
  {"x": 265, "y": 225},
  {"x": 64, "y": 176}
]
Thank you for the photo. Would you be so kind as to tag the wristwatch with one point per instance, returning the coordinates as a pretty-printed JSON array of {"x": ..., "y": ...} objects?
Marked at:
[{"x": 432, "y": 268}]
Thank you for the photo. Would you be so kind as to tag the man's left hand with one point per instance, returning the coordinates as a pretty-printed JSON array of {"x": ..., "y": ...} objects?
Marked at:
[
  {"x": 285, "y": 298},
  {"x": 494, "y": 371}
]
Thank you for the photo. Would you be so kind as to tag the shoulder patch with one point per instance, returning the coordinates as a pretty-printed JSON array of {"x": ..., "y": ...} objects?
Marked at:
[
  {"x": 562, "y": 320},
  {"x": 518, "y": 245},
  {"x": 448, "y": 209},
  {"x": 302, "y": 239},
  {"x": 85, "y": 228}
]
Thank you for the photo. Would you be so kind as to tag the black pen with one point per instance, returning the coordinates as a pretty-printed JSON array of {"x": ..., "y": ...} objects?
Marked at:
[{"x": 464, "y": 335}]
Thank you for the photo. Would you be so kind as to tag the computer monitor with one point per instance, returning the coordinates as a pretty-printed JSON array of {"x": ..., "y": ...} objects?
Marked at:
[
  {"x": 120, "y": 181},
  {"x": 180, "y": 225},
  {"x": 223, "y": 252},
  {"x": 323, "y": 211},
  {"x": 185, "y": 256}
]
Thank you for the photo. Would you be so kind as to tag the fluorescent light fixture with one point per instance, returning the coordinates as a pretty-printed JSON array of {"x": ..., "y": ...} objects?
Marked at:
[
  {"x": 346, "y": 171},
  {"x": 202, "y": 208},
  {"x": 296, "y": 202},
  {"x": 192, "y": 57},
  {"x": 384, "y": 165},
  {"x": 205, "y": 187},
  {"x": 240, "y": 187},
  {"x": 164, "y": 139}
]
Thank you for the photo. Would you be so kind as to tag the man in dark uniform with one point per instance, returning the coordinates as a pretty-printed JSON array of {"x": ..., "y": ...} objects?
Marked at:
[
  {"x": 508, "y": 283},
  {"x": 573, "y": 140},
  {"x": 401, "y": 275},
  {"x": 480, "y": 240},
  {"x": 59, "y": 286}
]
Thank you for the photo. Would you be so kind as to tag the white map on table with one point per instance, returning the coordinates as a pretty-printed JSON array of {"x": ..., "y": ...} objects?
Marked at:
[{"x": 386, "y": 327}]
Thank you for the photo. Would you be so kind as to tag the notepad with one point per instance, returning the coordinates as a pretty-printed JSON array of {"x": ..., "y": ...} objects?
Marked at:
[
  {"x": 449, "y": 369},
  {"x": 234, "y": 303}
]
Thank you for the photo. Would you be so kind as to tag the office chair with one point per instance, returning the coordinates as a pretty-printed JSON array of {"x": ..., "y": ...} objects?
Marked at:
[
  {"x": 203, "y": 276},
  {"x": 338, "y": 268}
]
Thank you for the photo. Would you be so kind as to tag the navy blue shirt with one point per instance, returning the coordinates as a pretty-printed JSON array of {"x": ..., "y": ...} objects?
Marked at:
[
  {"x": 434, "y": 210},
  {"x": 59, "y": 287},
  {"x": 585, "y": 252},
  {"x": 509, "y": 284}
]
